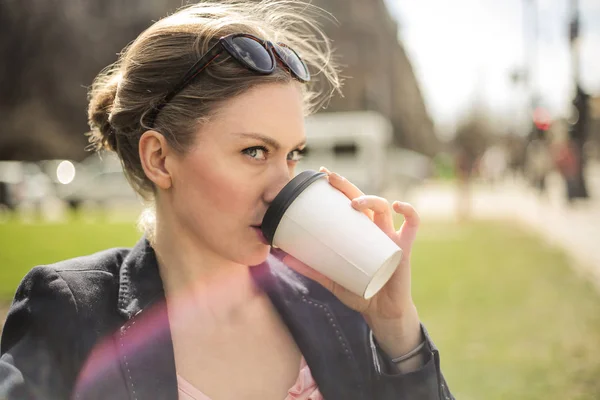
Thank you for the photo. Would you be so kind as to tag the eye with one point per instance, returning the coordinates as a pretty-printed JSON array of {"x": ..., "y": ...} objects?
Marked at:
[
  {"x": 258, "y": 153},
  {"x": 296, "y": 155}
]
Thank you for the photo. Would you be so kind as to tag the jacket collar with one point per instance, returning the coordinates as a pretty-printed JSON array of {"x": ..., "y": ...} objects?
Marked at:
[{"x": 140, "y": 283}]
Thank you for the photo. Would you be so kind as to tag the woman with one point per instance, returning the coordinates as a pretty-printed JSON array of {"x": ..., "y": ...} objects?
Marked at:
[{"x": 209, "y": 130}]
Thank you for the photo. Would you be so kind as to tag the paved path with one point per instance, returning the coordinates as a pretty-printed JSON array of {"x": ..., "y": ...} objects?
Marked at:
[{"x": 575, "y": 228}]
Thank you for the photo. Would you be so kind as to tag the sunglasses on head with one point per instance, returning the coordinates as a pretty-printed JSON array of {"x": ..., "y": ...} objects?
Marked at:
[{"x": 256, "y": 54}]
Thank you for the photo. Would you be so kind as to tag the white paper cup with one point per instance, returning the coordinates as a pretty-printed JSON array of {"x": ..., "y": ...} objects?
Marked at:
[{"x": 316, "y": 223}]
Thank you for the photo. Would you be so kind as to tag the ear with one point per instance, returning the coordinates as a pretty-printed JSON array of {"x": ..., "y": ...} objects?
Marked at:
[{"x": 154, "y": 150}]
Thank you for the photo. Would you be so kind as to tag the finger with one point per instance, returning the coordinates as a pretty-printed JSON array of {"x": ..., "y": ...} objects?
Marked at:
[
  {"x": 345, "y": 186},
  {"x": 323, "y": 169},
  {"x": 410, "y": 226},
  {"x": 382, "y": 212},
  {"x": 348, "y": 188},
  {"x": 411, "y": 216}
]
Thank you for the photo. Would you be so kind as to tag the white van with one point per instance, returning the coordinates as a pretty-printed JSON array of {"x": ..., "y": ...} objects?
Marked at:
[{"x": 353, "y": 144}]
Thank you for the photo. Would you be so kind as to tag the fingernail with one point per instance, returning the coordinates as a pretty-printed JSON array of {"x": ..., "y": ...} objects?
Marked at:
[{"x": 360, "y": 202}]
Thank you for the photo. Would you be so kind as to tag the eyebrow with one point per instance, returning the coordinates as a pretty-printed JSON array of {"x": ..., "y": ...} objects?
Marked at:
[{"x": 267, "y": 140}]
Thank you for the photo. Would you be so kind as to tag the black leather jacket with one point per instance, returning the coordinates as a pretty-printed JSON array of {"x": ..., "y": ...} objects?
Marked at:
[{"x": 96, "y": 327}]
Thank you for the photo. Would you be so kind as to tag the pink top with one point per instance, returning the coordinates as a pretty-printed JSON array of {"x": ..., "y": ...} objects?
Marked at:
[{"x": 305, "y": 387}]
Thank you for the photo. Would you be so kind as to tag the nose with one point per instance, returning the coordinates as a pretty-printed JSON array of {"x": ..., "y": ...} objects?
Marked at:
[{"x": 278, "y": 181}]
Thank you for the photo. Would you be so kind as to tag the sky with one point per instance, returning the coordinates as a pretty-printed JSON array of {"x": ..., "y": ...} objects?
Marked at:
[{"x": 464, "y": 51}]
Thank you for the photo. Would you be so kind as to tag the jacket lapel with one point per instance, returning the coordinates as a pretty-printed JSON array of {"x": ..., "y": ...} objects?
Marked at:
[
  {"x": 146, "y": 352},
  {"x": 144, "y": 342},
  {"x": 317, "y": 328}
]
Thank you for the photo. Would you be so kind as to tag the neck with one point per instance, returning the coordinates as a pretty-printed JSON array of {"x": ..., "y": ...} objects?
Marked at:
[{"x": 197, "y": 280}]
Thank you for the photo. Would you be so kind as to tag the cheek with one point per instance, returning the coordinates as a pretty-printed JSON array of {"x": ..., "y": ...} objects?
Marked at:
[
  {"x": 224, "y": 195},
  {"x": 217, "y": 188}
]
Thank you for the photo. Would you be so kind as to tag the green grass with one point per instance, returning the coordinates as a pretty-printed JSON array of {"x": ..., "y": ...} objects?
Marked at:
[
  {"x": 511, "y": 319},
  {"x": 23, "y": 246}
]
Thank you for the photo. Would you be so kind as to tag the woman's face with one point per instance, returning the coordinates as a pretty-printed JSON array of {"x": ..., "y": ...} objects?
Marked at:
[{"x": 240, "y": 160}]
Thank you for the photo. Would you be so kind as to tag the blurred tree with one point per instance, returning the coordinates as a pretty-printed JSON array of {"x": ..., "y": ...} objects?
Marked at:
[
  {"x": 379, "y": 73},
  {"x": 578, "y": 134},
  {"x": 473, "y": 134}
]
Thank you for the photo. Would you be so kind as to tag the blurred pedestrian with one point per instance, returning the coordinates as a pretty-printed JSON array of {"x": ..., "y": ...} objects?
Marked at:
[
  {"x": 566, "y": 162},
  {"x": 464, "y": 167},
  {"x": 538, "y": 163},
  {"x": 494, "y": 163}
]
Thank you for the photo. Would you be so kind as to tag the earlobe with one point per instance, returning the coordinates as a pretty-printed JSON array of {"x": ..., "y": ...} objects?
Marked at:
[{"x": 154, "y": 150}]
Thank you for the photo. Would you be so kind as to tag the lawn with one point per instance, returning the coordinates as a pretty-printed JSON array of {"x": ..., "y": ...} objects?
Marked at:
[
  {"x": 23, "y": 246},
  {"x": 510, "y": 317}
]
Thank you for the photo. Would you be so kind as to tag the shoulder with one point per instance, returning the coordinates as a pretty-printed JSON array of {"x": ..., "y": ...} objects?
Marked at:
[
  {"x": 88, "y": 276},
  {"x": 107, "y": 261},
  {"x": 74, "y": 276},
  {"x": 50, "y": 298}
]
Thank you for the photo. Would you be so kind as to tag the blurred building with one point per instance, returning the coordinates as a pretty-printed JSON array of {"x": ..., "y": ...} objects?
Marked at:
[
  {"x": 56, "y": 48},
  {"x": 379, "y": 74}
]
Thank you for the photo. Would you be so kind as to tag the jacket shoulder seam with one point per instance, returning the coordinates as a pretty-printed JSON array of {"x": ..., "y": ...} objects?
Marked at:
[{"x": 59, "y": 273}]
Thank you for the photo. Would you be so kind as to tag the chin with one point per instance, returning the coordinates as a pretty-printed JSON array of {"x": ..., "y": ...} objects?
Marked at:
[{"x": 255, "y": 256}]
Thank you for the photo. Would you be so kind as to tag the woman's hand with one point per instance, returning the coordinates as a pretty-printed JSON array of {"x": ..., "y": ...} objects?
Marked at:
[{"x": 391, "y": 313}]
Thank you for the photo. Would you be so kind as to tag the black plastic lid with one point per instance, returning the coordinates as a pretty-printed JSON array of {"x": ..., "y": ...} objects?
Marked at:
[{"x": 284, "y": 199}]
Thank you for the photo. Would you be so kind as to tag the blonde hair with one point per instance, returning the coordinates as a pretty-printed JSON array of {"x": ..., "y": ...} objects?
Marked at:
[{"x": 125, "y": 92}]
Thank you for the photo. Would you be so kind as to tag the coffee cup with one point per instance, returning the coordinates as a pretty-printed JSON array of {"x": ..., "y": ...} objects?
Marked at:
[{"x": 316, "y": 224}]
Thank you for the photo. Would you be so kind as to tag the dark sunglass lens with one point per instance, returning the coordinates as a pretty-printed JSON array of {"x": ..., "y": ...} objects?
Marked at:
[
  {"x": 253, "y": 54},
  {"x": 293, "y": 61}
]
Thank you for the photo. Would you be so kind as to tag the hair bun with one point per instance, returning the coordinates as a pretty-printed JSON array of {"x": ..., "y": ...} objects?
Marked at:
[{"x": 102, "y": 98}]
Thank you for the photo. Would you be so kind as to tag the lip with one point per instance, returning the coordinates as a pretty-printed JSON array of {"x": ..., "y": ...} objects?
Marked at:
[{"x": 260, "y": 235}]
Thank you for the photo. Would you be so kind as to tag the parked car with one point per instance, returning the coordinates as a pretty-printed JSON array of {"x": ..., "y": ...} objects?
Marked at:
[
  {"x": 11, "y": 184},
  {"x": 353, "y": 144},
  {"x": 23, "y": 184}
]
